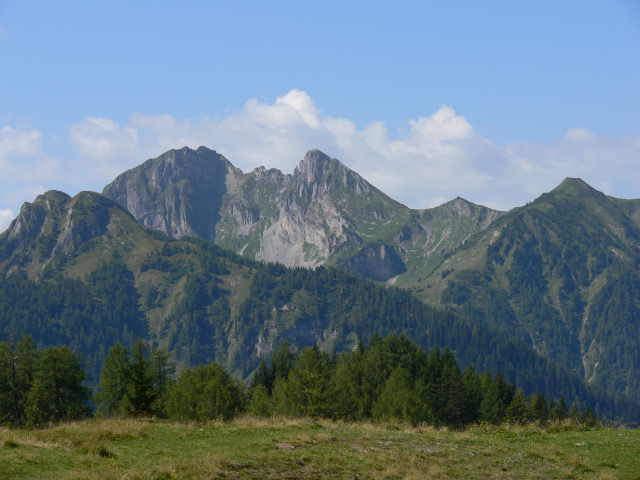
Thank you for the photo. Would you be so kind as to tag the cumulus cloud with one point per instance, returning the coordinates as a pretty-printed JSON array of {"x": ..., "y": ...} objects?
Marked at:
[
  {"x": 19, "y": 142},
  {"x": 22, "y": 159},
  {"x": 439, "y": 157},
  {"x": 436, "y": 158},
  {"x": 103, "y": 142},
  {"x": 24, "y": 168}
]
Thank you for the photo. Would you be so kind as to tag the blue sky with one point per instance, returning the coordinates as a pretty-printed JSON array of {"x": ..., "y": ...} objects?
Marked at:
[{"x": 495, "y": 101}]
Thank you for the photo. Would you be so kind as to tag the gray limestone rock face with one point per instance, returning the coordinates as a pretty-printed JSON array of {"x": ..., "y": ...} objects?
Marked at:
[
  {"x": 324, "y": 213},
  {"x": 30, "y": 222},
  {"x": 87, "y": 216},
  {"x": 179, "y": 193}
]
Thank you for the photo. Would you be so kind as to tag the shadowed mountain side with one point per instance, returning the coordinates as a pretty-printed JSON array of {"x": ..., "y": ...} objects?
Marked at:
[{"x": 179, "y": 193}]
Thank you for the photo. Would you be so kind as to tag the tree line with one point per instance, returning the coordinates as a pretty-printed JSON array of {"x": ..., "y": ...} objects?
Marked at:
[
  {"x": 383, "y": 379},
  {"x": 393, "y": 378},
  {"x": 41, "y": 386}
]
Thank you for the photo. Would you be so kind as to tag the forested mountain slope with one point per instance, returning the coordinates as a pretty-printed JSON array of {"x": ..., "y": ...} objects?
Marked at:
[
  {"x": 562, "y": 274},
  {"x": 81, "y": 271}
]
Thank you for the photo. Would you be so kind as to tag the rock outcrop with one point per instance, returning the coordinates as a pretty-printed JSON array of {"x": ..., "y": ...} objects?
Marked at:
[
  {"x": 323, "y": 213},
  {"x": 179, "y": 193}
]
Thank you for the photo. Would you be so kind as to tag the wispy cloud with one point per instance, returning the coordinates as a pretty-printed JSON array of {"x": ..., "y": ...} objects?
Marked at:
[
  {"x": 4, "y": 35},
  {"x": 437, "y": 158},
  {"x": 23, "y": 168}
]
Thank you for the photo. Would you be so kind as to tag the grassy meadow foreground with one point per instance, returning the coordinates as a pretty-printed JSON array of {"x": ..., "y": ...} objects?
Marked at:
[{"x": 281, "y": 448}]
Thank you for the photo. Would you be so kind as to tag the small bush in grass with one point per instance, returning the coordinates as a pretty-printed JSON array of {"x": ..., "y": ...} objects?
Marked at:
[
  {"x": 10, "y": 443},
  {"x": 102, "y": 451}
]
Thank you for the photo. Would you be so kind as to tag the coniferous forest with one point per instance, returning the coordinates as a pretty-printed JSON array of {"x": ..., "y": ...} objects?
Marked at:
[
  {"x": 104, "y": 308},
  {"x": 383, "y": 379}
]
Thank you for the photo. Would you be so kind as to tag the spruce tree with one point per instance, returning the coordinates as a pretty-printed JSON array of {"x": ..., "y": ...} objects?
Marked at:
[
  {"x": 16, "y": 378},
  {"x": 58, "y": 392},
  {"x": 539, "y": 409},
  {"x": 310, "y": 380},
  {"x": 114, "y": 380},
  {"x": 263, "y": 375},
  {"x": 560, "y": 411},
  {"x": 282, "y": 361},
  {"x": 140, "y": 394},
  {"x": 588, "y": 418},
  {"x": 398, "y": 398},
  {"x": 163, "y": 369},
  {"x": 206, "y": 392},
  {"x": 517, "y": 410}
]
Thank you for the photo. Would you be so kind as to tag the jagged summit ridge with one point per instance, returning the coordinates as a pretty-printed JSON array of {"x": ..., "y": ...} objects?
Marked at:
[
  {"x": 554, "y": 272},
  {"x": 323, "y": 213}
]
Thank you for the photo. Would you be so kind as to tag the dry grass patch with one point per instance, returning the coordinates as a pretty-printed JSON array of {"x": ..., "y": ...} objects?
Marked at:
[
  {"x": 247, "y": 448},
  {"x": 17, "y": 438}
]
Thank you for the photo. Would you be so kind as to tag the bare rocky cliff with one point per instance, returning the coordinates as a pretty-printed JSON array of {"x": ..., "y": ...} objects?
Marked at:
[
  {"x": 179, "y": 193},
  {"x": 323, "y": 213}
]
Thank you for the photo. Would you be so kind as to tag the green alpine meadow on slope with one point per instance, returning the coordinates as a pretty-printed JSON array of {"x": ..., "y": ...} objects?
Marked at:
[{"x": 277, "y": 448}]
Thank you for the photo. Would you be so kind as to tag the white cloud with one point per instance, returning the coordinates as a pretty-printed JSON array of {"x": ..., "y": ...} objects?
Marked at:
[
  {"x": 103, "y": 141},
  {"x": 22, "y": 159},
  {"x": 24, "y": 167},
  {"x": 4, "y": 36},
  {"x": 25, "y": 193},
  {"x": 438, "y": 157},
  {"x": 19, "y": 142},
  {"x": 6, "y": 216}
]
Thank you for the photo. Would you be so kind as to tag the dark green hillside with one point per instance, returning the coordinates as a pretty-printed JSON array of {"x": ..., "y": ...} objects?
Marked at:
[
  {"x": 204, "y": 303},
  {"x": 88, "y": 316},
  {"x": 561, "y": 273}
]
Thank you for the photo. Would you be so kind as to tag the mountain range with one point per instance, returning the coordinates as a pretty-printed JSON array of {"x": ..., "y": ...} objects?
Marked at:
[
  {"x": 323, "y": 214},
  {"x": 175, "y": 250}
]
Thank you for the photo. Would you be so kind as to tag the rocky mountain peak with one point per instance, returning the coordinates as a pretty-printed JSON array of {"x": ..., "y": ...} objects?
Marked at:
[
  {"x": 56, "y": 223},
  {"x": 52, "y": 196},
  {"x": 314, "y": 166},
  {"x": 179, "y": 193},
  {"x": 175, "y": 165},
  {"x": 461, "y": 206},
  {"x": 323, "y": 213}
]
